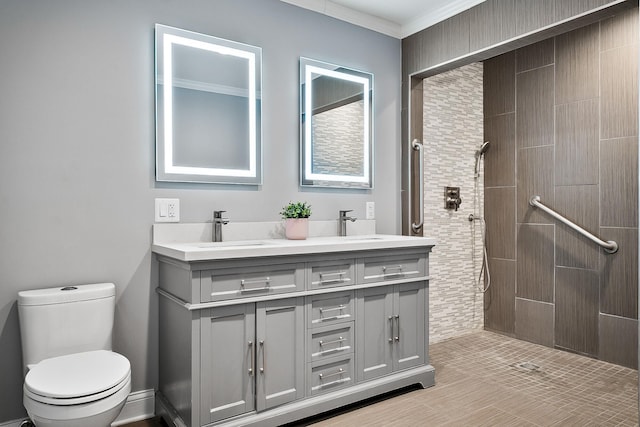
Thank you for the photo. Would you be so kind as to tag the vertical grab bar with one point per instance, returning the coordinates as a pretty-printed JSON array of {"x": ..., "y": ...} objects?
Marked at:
[
  {"x": 609, "y": 246},
  {"x": 417, "y": 146}
]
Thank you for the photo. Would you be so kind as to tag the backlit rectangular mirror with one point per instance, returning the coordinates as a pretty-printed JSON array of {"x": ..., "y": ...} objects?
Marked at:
[
  {"x": 336, "y": 137},
  {"x": 208, "y": 109}
]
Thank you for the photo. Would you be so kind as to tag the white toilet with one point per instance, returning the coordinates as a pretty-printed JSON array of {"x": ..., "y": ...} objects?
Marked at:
[{"x": 72, "y": 376}]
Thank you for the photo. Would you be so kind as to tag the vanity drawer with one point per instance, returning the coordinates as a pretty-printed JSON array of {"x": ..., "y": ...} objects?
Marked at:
[
  {"x": 393, "y": 267},
  {"x": 330, "y": 341},
  {"x": 329, "y": 376},
  {"x": 329, "y": 309},
  {"x": 328, "y": 274},
  {"x": 250, "y": 281}
]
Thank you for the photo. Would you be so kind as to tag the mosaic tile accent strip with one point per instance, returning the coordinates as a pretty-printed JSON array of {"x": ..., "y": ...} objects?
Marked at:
[{"x": 453, "y": 132}]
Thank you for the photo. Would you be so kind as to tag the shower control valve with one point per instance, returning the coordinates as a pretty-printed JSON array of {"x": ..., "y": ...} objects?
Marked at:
[{"x": 452, "y": 198}]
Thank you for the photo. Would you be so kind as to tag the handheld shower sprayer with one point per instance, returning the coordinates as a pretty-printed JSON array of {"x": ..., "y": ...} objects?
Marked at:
[{"x": 483, "y": 149}]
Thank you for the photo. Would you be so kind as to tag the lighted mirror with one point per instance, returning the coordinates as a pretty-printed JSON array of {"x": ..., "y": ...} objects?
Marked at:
[
  {"x": 208, "y": 109},
  {"x": 336, "y": 137}
]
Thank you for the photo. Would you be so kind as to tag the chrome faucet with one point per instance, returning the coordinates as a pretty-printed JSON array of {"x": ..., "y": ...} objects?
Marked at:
[
  {"x": 218, "y": 222},
  {"x": 343, "y": 221}
]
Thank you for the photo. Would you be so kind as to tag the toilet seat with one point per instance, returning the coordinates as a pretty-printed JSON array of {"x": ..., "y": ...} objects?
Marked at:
[{"x": 77, "y": 378}]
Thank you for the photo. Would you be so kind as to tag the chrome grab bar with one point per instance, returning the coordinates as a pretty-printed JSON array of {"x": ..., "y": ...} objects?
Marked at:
[
  {"x": 609, "y": 246},
  {"x": 417, "y": 146}
]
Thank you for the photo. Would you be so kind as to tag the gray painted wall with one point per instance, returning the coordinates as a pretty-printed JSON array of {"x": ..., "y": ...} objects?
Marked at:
[{"x": 77, "y": 148}]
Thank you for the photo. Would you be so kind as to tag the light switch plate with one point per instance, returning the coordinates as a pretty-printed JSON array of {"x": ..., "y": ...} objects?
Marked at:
[
  {"x": 371, "y": 210},
  {"x": 167, "y": 210}
]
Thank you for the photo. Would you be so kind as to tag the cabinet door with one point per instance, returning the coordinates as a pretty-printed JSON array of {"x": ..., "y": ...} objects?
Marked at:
[
  {"x": 409, "y": 328},
  {"x": 228, "y": 358},
  {"x": 374, "y": 340},
  {"x": 280, "y": 352}
]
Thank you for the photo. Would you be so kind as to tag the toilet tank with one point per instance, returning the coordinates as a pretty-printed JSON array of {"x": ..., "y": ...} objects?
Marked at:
[{"x": 65, "y": 320}]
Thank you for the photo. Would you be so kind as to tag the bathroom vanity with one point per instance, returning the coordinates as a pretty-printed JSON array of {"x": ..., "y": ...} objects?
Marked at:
[{"x": 267, "y": 332}]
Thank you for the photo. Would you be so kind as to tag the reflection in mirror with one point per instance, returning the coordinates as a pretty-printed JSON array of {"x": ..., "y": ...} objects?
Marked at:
[
  {"x": 336, "y": 105},
  {"x": 208, "y": 109}
]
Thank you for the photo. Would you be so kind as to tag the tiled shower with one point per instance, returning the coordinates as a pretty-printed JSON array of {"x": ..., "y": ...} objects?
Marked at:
[{"x": 562, "y": 119}]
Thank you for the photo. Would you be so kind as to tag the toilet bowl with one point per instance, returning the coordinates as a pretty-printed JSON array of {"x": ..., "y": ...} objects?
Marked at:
[
  {"x": 73, "y": 378},
  {"x": 80, "y": 389}
]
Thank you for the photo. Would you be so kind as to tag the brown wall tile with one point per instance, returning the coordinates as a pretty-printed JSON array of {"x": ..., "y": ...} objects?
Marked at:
[
  {"x": 576, "y": 325},
  {"x": 500, "y": 214},
  {"x": 619, "y": 340},
  {"x": 455, "y": 35},
  {"x": 535, "y": 269},
  {"x": 580, "y": 205},
  {"x": 534, "y": 107},
  {"x": 619, "y": 92},
  {"x": 531, "y": 15},
  {"x": 619, "y": 279},
  {"x": 534, "y": 321},
  {"x": 565, "y": 9},
  {"x": 535, "y": 55},
  {"x": 577, "y": 59},
  {"x": 619, "y": 182},
  {"x": 535, "y": 172},
  {"x": 491, "y": 22},
  {"x": 619, "y": 30},
  {"x": 500, "y": 85},
  {"x": 499, "y": 161},
  {"x": 499, "y": 300},
  {"x": 577, "y": 143}
]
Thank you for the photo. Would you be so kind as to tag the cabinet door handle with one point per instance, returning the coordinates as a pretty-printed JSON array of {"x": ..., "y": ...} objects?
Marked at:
[
  {"x": 244, "y": 282},
  {"x": 396, "y": 271},
  {"x": 263, "y": 357},
  {"x": 253, "y": 361},
  {"x": 398, "y": 326},
  {"x": 391, "y": 322},
  {"x": 338, "y": 372}
]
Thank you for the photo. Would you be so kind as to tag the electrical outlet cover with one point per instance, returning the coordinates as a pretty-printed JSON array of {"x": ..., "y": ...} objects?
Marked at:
[{"x": 167, "y": 210}]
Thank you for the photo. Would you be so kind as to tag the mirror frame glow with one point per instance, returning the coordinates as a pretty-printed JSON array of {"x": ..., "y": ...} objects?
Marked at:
[
  {"x": 308, "y": 69},
  {"x": 166, "y": 170}
]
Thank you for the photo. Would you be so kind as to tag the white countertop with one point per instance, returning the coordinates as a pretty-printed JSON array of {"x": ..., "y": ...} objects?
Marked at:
[{"x": 203, "y": 251}]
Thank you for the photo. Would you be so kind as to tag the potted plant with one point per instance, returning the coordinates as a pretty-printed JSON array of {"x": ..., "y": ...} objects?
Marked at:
[{"x": 296, "y": 216}]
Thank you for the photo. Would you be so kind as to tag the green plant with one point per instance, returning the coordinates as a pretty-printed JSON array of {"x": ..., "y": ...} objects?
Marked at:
[{"x": 296, "y": 210}]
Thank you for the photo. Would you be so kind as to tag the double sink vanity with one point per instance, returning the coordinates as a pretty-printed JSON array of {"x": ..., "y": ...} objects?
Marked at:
[{"x": 269, "y": 331}]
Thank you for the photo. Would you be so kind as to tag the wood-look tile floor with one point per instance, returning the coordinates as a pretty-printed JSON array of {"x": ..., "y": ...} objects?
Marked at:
[{"x": 486, "y": 379}]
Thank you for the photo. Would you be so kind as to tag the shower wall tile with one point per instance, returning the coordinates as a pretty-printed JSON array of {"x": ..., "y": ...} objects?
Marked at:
[
  {"x": 535, "y": 55},
  {"x": 578, "y": 203},
  {"x": 534, "y": 321},
  {"x": 455, "y": 35},
  {"x": 619, "y": 182},
  {"x": 565, "y": 9},
  {"x": 535, "y": 264},
  {"x": 500, "y": 214},
  {"x": 534, "y": 107},
  {"x": 576, "y": 318},
  {"x": 619, "y": 340},
  {"x": 531, "y": 15},
  {"x": 619, "y": 92},
  {"x": 577, "y": 59},
  {"x": 499, "y": 161},
  {"x": 619, "y": 30},
  {"x": 499, "y": 85},
  {"x": 619, "y": 279},
  {"x": 535, "y": 176},
  {"x": 492, "y": 21},
  {"x": 577, "y": 141},
  {"x": 499, "y": 300}
]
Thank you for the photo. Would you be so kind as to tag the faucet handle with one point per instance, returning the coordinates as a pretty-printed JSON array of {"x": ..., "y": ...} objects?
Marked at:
[
  {"x": 218, "y": 214},
  {"x": 344, "y": 213}
]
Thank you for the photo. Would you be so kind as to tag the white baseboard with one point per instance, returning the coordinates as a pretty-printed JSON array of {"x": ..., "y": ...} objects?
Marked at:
[{"x": 140, "y": 405}]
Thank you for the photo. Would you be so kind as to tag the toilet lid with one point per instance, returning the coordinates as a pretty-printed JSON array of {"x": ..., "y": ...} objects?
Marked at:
[{"x": 78, "y": 374}]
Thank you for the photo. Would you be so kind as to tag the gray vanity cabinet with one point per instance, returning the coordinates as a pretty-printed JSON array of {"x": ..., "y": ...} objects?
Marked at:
[
  {"x": 391, "y": 325},
  {"x": 251, "y": 350}
]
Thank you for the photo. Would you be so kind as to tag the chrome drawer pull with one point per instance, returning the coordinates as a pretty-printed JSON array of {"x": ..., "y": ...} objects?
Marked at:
[
  {"x": 263, "y": 356},
  {"x": 338, "y": 279},
  {"x": 398, "y": 326},
  {"x": 338, "y": 372},
  {"x": 338, "y": 341},
  {"x": 338, "y": 308},
  {"x": 244, "y": 282},
  {"x": 391, "y": 337},
  {"x": 398, "y": 270}
]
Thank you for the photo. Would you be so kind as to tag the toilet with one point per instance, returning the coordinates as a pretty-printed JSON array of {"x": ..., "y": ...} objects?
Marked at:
[{"x": 73, "y": 378}]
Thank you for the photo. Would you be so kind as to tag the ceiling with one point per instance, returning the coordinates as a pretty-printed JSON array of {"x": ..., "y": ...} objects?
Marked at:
[{"x": 395, "y": 18}]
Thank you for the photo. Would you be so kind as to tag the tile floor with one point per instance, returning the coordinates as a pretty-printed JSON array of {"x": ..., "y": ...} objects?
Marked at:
[{"x": 486, "y": 379}]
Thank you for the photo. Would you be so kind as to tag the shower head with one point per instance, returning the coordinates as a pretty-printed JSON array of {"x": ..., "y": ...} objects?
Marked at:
[{"x": 483, "y": 148}]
